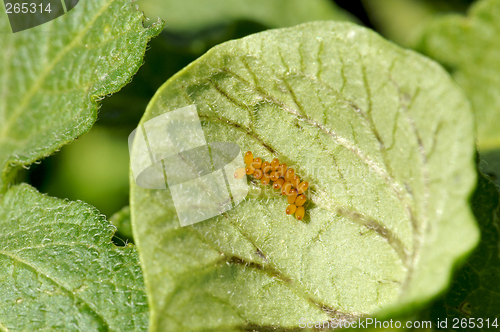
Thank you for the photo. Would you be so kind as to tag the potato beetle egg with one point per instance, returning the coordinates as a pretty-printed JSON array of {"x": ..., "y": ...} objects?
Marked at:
[
  {"x": 292, "y": 197},
  {"x": 239, "y": 173},
  {"x": 300, "y": 200},
  {"x": 300, "y": 212},
  {"x": 282, "y": 170},
  {"x": 275, "y": 164},
  {"x": 290, "y": 173},
  {"x": 266, "y": 167},
  {"x": 258, "y": 173},
  {"x": 274, "y": 176},
  {"x": 302, "y": 187},
  {"x": 295, "y": 181},
  {"x": 291, "y": 209},
  {"x": 257, "y": 163},
  {"x": 278, "y": 183},
  {"x": 248, "y": 158},
  {"x": 249, "y": 170},
  {"x": 285, "y": 189},
  {"x": 265, "y": 179}
]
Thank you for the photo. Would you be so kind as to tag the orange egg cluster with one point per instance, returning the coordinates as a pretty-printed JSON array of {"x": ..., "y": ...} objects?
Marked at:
[{"x": 283, "y": 178}]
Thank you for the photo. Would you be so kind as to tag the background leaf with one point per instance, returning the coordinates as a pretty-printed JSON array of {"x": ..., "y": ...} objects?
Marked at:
[
  {"x": 59, "y": 270},
  {"x": 195, "y": 15},
  {"x": 469, "y": 47},
  {"x": 52, "y": 76},
  {"x": 403, "y": 20},
  {"x": 384, "y": 137}
]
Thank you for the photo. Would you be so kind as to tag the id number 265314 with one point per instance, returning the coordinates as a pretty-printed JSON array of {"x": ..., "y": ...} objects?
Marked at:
[{"x": 25, "y": 8}]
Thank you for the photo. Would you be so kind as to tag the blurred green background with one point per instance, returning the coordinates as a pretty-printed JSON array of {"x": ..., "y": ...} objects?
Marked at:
[{"x": 95, "y": 167}]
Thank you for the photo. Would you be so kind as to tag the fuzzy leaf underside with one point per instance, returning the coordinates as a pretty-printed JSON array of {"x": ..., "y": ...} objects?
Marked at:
[
  {"x": 53, "y": 75},
  {"x": 385, "y": 139},
  {"x": 59, "y": 270}
]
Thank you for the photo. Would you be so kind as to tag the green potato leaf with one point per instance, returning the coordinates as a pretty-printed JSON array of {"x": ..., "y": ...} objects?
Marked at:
[
  {"x": 52, "y": 76},
  {"x": 59, "y": 270},
  {"x": 469, "y": 47},
  {"x": 384, "y": 137}
]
